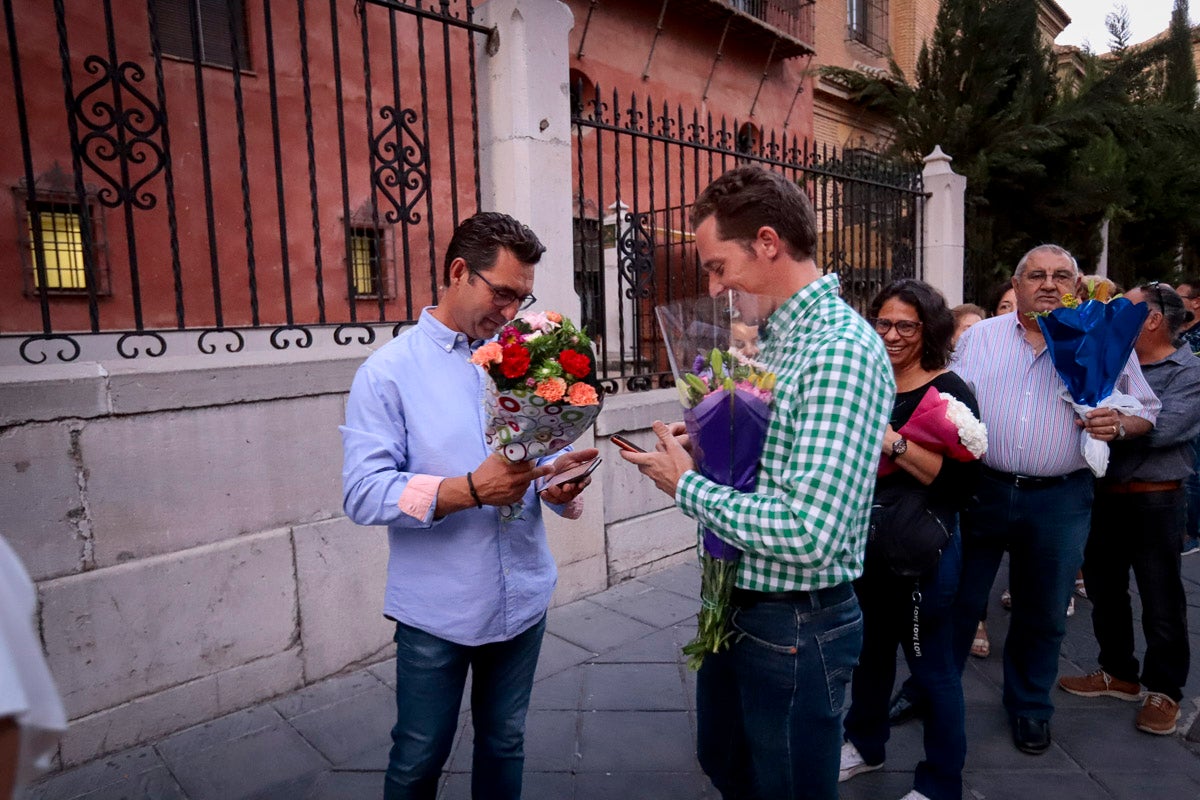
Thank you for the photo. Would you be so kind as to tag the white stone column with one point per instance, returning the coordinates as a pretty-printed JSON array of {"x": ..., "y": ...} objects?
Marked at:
[
  {"x": 944, "y": 226},
  {"x": 525, "y": 133}
]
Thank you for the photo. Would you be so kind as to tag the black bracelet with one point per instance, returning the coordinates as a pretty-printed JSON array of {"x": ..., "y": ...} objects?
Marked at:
[{"x": 474, "y": 494}]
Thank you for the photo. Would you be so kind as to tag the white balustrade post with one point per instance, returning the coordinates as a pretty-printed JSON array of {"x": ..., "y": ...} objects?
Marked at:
[
  {"x": 944, "y": 226},
  {"x": 525, "y": 133}
]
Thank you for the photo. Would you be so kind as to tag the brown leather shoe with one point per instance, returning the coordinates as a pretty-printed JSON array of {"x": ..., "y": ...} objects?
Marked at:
[
  {"x": 1100, "y": 684},
  {"x": 1158, "y": 714}
]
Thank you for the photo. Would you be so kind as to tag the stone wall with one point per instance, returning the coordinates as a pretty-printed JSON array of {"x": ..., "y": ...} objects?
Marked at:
[{"x": 182, "y": 519}]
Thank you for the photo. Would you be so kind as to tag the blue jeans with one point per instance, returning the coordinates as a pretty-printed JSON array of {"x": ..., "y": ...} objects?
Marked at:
[
  {"x": 430, "y": 676},
  {"x": 769, "y": 709},
  {"x": 1141, "y": 531},
  {"x": 888, "y": 608},
  {"x": 1044, "y": 530},
  {"x": 1192, "y": 485}
]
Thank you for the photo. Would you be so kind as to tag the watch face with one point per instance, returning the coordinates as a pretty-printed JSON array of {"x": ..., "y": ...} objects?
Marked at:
[{"x": 899, "y": 447}]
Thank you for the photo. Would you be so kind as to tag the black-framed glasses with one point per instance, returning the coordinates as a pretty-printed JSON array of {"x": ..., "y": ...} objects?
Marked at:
[
  {"x": 1158, "y": 289},
  {"x": 907, "y": 328},
  {"x": 501, "y": 297}
]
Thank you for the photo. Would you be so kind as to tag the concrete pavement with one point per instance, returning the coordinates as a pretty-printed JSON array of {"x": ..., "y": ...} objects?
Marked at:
[{"x": 613, "y": 717}]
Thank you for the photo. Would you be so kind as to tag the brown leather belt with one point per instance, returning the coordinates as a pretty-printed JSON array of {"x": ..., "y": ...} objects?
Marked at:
[{"x": 1140, "y": 487}]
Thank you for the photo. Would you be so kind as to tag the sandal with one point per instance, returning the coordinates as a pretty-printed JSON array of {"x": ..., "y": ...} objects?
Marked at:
[
  {"x": 1006, "y": 600},
  {"x": 981, "y": 647},
  {"x": 1080, "y": 589},
  {"x": 1071, "y": 607}
]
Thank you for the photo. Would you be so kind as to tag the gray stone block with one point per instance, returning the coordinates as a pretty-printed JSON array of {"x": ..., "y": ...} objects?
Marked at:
[
  {"x": 178, "y": 707},
  {"x": 580, "y": 579},
  {"x": 116, "y": 634},
  {"x": 682, "y": 579},
  {"x": 634, "y": 687},
  {"x": 644, "y": 786},
  {"x": 627, "y": 493},
  {"x": 44, "y": 517},
  {"x": 356, "y": 725},
  {"x": 641, "y": 540},
  {"x": 637, "y": 741},
  {"x": 194, "y": 381},
  {"x": 636, "y": 411},
  {"x": 47, "y": 392},
  {"x": 341, "y": 572},
  {"x": 160, "y": 483},
  {"x": 647, "y": 603},
  {"x": 557, "y": 654}
]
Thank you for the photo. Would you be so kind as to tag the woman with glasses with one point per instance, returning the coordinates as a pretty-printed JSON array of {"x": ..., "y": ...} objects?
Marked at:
[{"x": 917, "y": 329}]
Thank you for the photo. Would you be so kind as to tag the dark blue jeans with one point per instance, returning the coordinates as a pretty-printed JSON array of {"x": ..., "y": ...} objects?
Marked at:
[
  {"x": 888, "y": 605},
  {"x": 430, "y": 676},
  {"x": 769, "y": 709},
  {"x": 1044, "y": 530},
  {"x": 1192, "y": 485},
  {"x": 1141, "y": 531}
]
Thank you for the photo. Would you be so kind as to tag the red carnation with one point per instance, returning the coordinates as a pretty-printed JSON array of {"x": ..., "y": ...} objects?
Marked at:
[
  {"x": 575, "y": 364},
  {"x": 515, "y": 362}
]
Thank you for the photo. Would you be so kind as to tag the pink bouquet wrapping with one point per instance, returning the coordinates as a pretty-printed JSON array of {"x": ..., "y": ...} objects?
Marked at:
[{"x": 942, "y": 424}]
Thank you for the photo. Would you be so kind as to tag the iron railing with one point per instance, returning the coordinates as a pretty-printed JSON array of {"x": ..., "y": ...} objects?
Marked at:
[
  {"x": 638, "y": 167},
  {"x": 254, "y": 166},
  {"x": 792, "y": 17}
]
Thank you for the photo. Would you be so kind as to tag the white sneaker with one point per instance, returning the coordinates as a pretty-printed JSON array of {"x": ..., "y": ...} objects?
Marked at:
[
  {"x": 914, "y": 795},
  {"x": 853, "y": 763}
]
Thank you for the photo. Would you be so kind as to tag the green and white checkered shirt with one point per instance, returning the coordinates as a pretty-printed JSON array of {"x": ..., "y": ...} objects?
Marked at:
[{"x": 805, "y": 525}]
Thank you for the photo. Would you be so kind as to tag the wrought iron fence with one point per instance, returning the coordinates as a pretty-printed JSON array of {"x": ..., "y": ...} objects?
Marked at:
[
  {"x": 219, "y": 167},
  {"x": 638, "y": 169}
]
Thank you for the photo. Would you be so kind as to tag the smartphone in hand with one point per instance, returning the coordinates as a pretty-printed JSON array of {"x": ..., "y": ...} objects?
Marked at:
[
  {"x": 572, "y": 475},
  {"x": 625, "y": 444}
]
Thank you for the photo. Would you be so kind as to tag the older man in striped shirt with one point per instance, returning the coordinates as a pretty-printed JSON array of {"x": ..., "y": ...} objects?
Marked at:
[{"x": 1035, "y": 496}]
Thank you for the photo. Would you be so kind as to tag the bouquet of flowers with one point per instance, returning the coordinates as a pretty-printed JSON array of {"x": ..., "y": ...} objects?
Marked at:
[
  {"x": 543, "y": 392},
  {"x": 1090, "y": 343},
  {"x": 942, "y": 424},
  {"x": 726, "y": 397}
]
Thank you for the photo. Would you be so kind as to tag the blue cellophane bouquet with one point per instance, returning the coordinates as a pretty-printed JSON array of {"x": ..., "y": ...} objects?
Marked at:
[
  {"x": 1090, "y": 343},
  {"x": 726, "y": 397}
]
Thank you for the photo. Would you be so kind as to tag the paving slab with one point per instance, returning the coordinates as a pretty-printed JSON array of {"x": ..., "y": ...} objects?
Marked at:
[
  {"x": 633, "y": 687},
  {"x": 136, "y": 773},
  {"x": 557, "y": 654},
  {"x": 593, "y": 627},
  {"x": 360, "y": 723},
  {"x": 662, "y": 647},
  {"x": 643, "y": 786},
  {"x": 340, "y": 785},
  {"x": 647, "y": 603},
  {"x": 637, "y": 741},
  {"x": 682, "y": 579}
]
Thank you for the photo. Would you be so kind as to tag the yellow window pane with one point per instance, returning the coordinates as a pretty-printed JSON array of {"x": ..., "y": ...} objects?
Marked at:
[
  {"x": 62, "y": 250},
  {"x": 362, "y": 258}
]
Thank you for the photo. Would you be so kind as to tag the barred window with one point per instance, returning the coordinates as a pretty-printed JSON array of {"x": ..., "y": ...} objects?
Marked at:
[
  {"x": 221, "y": 25},
  {"x": 53, "y": 245},
  {"x": 370, "y": 267},
  {"x": 867, "y": 23}
]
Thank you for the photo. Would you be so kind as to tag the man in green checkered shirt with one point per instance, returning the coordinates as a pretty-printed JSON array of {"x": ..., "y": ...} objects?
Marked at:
[{"x": 769, "y": 708}]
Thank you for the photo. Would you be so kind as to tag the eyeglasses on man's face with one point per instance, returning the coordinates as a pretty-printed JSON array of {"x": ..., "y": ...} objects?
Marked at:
[
  {"x": 907, "y": 328},
  {"x": 502, "y": 297},
  {"x": 1061, "y": 277}
]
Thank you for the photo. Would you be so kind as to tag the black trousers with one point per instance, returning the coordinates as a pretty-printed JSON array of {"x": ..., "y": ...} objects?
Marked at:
[{"x": 1141, "y": 531}]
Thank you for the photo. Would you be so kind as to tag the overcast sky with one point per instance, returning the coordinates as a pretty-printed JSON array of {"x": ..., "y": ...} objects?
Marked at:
[{"x": 1147, "y": 17}]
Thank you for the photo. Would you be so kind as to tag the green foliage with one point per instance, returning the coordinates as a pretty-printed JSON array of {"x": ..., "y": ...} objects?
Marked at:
[{"x": 1046, "y": 162}]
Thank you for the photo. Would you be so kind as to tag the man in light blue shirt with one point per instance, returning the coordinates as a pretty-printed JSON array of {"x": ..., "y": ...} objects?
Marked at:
[{"x": 465, "y": 587}]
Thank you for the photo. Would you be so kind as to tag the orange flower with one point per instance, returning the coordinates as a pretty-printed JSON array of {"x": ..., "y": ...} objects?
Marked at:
[
  {"x": 490, "y": 353},
  {"x": 551, "y": 389},
  {"x": 582, "y": 394},
  {"x": 554, "y": 317}
]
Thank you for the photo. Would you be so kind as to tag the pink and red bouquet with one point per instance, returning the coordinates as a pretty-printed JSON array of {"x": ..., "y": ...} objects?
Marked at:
[
  {"x": 943, "y": 424},
  {"x": 543, "y": 393}
]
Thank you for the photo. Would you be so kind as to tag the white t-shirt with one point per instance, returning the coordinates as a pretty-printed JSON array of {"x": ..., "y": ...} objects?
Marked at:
[{"x": 27, "y": 689}]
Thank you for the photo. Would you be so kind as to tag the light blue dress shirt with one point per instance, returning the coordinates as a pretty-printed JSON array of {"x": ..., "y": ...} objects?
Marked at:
[{"x": 416, "y": 408}]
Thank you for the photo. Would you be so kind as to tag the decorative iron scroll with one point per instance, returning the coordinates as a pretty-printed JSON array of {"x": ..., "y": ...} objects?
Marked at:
[
  {"x": 62, "y": 353},
  {"x": 635, "y": 249},
  {"x": 403, "y": 162},
  {"x": 234, "y": 346},
  {"x": 156, "y": 347},
  {"x": 122, "y": 133},
  {"x": 363, "y": 334},
  {"x": 280, "y": 341}
]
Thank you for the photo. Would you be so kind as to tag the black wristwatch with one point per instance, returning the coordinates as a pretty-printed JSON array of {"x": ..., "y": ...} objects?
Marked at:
[{"x": 899, "y": 447}]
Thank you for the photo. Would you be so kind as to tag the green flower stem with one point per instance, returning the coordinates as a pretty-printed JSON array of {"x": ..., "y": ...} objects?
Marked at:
[{"x": 717, "y": 579}]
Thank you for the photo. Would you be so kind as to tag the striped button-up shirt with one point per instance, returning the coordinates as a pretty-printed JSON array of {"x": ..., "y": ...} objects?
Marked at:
[
  {"x": 804, "y": 526},
  {"x": 1031, "y": 428}
]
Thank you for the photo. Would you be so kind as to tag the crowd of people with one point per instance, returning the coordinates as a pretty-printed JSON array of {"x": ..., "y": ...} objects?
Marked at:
[{"x": 820, "y": 606}]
